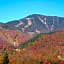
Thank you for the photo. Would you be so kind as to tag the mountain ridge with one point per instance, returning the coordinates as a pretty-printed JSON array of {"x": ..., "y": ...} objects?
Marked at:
[{"x": 37, "y": 23}]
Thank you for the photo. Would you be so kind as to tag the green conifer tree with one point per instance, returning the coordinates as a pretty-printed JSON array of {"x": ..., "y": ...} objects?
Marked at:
[{"x": 5, "y": 59}]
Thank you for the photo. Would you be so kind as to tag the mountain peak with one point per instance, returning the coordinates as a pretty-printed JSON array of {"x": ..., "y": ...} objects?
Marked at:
[
  {"x": 37, "y": 23},
  {"x": 34, "y": 15}
]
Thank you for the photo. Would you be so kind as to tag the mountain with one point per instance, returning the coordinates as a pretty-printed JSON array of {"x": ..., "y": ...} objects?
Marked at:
[
  {"x": 12, "y": 38},
  {"x": 46, "y": 47},
  {"x": 51, "y": 39},
  {"x": 36, "y": 23},
  {"x": 6, "y": 26}
]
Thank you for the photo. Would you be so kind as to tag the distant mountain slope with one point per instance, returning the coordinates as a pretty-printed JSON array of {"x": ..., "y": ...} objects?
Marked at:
[
  {"x": 36, "y": 23},
  {"x": 6, "y": 26}
]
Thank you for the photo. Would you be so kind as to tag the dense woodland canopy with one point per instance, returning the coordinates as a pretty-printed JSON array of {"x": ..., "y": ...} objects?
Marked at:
[{"x": 42, "y": 49}]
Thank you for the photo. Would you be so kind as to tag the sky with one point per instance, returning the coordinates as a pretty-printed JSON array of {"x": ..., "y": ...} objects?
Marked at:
[{"x": 18, "y": 9}]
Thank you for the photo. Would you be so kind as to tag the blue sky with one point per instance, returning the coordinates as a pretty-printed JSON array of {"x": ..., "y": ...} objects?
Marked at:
[{"x": 17, "y": 9}]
